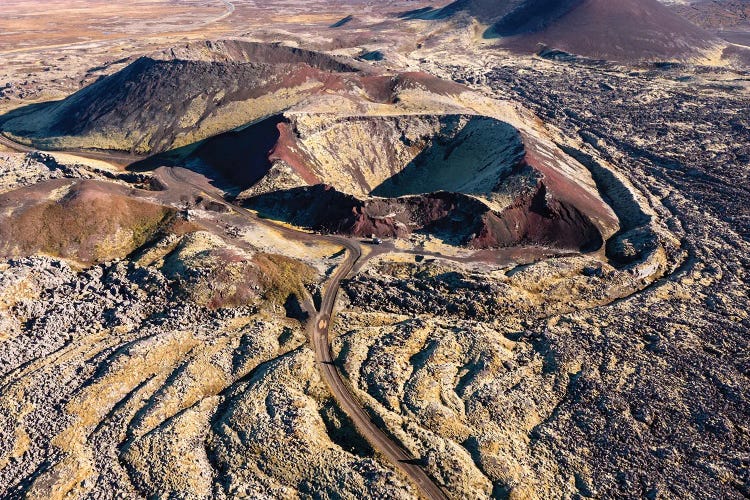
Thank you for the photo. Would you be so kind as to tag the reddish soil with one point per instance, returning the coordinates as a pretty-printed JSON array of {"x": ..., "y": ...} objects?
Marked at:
[
  {"x": 535, "y": 219},
  {"x": 538, "y": 220},
  {"x": 285, "y": 150},
  {"x": 569, "y": 191},
  {"x": 79, "y": 226}
]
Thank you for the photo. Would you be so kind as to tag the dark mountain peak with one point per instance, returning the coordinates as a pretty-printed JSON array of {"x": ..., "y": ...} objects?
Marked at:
[{"x": 623, "y": 30}]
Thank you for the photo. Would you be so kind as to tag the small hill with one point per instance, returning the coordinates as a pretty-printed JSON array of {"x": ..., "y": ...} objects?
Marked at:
[{"x": 87, "y": 221}]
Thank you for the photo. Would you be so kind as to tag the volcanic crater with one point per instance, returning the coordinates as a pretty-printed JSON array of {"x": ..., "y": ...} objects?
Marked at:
[
  {"x": 468, "y": 179},
  {"x": 334, "y": 145}
]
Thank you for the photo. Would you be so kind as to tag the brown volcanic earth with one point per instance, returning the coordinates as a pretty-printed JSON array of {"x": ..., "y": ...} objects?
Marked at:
[
  {"x": 624, "y": 30},
  {"x": 90, "y": 222}
]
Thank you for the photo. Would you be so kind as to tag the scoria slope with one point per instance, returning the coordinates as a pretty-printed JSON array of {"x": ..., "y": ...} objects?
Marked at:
[
  {"x": 625, "y": 31},
  {"x": 178, "y": 97}
]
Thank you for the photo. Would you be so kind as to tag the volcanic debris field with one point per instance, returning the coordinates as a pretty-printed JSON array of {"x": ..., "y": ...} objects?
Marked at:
[{"x": 527, "y": 272}]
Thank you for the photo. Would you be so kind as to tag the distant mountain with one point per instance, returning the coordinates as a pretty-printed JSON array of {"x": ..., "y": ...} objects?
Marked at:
[{"x": 622, "y": 30}]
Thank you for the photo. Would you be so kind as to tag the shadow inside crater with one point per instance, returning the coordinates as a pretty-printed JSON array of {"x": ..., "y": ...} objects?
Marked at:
[
  {"x": 232, "y": 161},
  {"x": 470, "y": 157}
]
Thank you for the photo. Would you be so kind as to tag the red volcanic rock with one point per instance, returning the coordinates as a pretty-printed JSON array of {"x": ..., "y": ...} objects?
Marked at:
[
  {"x": 284, "y": 150},
  {"x": 533, "y": 219},
  {"x": 537, "y": 219},
  {"x": 568, "y": 190}
]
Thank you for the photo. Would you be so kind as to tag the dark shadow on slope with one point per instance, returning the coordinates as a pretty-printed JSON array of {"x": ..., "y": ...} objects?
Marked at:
[
  {"x": 342, "y": 22},
  {"x": 530, "y": 16},
  {"x": 319, "y": 207},
  {"x": 468, "y": 158},
  {"x": 455, "y": 218},
  {"x": 242, "y": 156},
  {"x": 342, "y": 431},
  {"x": 25, "y": 110},
  {"x": 232, "y": 161},
  {"x": 434, "y": 14},
  {"x": 612, "y": 190},
  {"x": 293, "y": 308},
  {"x": 372, "y": 56},
  {"x": 425, "y": 13}
]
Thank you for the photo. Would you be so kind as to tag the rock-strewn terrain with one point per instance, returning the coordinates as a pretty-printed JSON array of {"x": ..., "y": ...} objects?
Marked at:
[
  {"x": 156, "y": 337},
  {"x": 112, "y": 383},
  {"x": 717, "y": 15},
  {"x": 540, "y": 384}
]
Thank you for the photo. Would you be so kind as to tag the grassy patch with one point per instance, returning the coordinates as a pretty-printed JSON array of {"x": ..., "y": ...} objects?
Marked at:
[
  {"x": 283, "y": 276},
  {"x": 87, "y": 225}
]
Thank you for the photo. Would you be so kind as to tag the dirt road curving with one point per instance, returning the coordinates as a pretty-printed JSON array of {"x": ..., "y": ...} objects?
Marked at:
[{"x": 318, "y": 328}]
